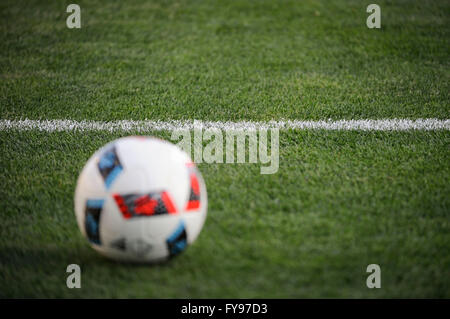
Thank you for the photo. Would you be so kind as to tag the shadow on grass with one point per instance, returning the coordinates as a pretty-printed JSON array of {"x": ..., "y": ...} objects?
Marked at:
[
  {"x": 41, "y": 272},
  {"x": 47, "y": 257}
]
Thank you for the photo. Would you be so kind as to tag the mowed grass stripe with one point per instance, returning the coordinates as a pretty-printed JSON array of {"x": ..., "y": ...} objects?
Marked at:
[{"x": 148, "y": 125}]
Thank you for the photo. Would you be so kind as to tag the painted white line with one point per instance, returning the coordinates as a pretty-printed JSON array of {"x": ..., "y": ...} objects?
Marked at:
[{"x": 148, "y": 126}]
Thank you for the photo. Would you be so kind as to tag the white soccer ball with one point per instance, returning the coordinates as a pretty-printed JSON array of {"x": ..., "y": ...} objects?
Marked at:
[{"x": 140, "y": 199}]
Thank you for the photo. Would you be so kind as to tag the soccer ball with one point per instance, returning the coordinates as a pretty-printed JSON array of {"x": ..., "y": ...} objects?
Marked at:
[{"x": 140, "y": 199}]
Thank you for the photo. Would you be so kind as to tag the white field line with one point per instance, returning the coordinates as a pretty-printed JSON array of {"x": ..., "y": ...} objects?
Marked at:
[{"x": 148, "y": 125}]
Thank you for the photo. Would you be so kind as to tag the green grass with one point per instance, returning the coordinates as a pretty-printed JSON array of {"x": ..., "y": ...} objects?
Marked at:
[
  {"x": 236, "y": 59},
  {"x": 340, "y": 200}
]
